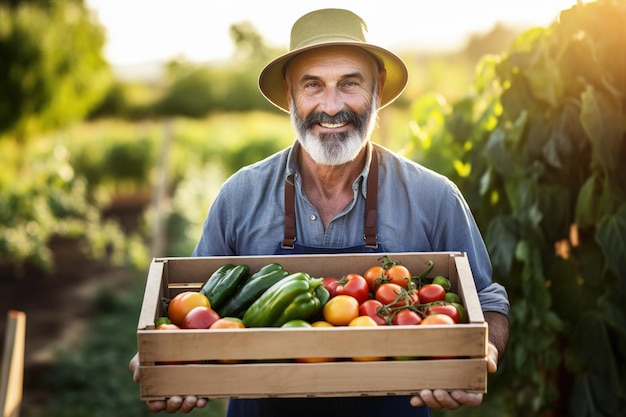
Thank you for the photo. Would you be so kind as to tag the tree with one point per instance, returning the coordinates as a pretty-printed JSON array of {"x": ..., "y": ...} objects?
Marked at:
[
  {"x": 538, "y": 148},
  {"x": 52, "y": 67}
]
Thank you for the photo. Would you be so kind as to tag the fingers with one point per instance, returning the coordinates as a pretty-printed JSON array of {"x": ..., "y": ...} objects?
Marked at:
[
  {"x": 439, "y": 399},
  {"x": 177, "y": 404},
  {"x": 492, "y": 358},
  {"x": 156, "y": 406},
  {"x": 133, "y": 365}
]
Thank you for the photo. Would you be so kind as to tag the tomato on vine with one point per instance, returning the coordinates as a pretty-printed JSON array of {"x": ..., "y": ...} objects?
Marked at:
[
  {"x": 371, "y": 308},
  {"x": 406, "y": 317},
  {"x": 399, "y": 274},
  {"x": 447, "y": 309},
  {"x": 395, "y": 272},
  {"x": 355, "y": 286},
  {"x": 431, "y": 292},
  {"x": 374, "y": 277},
  {"x": 394, "y": 295}
]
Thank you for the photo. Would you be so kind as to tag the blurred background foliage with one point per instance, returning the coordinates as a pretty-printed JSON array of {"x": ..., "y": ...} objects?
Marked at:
[{"x": 530, "y": 124}]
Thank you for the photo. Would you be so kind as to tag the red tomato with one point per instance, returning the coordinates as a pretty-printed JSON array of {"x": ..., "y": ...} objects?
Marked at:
[
  {"x": 437, "y": 319},
  {"x": 200, "y": 317},
  {"x": 374, "y": 277},
  {"x": 406, "y": 317},
  {"x": 370, "y": 308},
  {"x": 398, "y": 274},
  {"x": 431, "y": 292},
  {"x": 388, "y": 292},
  {"x": 355, "y": 286},
  {"x": 330, "y": 283},
  {"x": 447, "y": 309}
]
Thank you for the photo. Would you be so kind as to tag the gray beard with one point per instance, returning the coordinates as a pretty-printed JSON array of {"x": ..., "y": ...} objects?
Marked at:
[{"x": 334, "y": 148}]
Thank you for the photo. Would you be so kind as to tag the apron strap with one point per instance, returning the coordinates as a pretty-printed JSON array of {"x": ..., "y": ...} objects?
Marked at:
[
  {"x": 290, "y": 216},
  {"x": 371, "y": 204},
  {"x": 369, "y": 221}
]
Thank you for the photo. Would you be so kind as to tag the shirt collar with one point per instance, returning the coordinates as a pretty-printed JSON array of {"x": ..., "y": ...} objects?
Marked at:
[{"x": 293, "y": 169}]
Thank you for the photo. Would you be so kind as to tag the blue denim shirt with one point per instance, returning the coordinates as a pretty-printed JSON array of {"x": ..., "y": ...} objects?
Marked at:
[{"x": 418, "y": 211}]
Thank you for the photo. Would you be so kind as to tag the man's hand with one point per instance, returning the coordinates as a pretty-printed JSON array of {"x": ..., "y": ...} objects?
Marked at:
[
  {"x": 452, "y": 400},
  {"x": 171, "y": 405}
]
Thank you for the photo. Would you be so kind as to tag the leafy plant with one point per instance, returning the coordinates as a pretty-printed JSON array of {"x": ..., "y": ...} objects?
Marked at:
[
  {"x": 538, "y": 149},
  {"x": 51, "y": 201},
  {"x": 52, "y": 68}
]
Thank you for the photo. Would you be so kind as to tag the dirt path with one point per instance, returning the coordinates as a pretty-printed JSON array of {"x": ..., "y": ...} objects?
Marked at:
[{"x": 58, "y": 308}]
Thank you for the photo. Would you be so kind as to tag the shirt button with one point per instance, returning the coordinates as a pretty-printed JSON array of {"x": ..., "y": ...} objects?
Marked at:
[{"x": 312, "y": 217}]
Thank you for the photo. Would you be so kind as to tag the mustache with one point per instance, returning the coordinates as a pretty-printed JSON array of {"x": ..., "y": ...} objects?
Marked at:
[{"x": 343, "y": 116}]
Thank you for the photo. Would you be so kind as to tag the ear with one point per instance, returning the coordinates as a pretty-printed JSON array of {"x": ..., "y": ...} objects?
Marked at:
[
  {"x": 287, "y": 94},
  {"x": 382, "y": 77}
]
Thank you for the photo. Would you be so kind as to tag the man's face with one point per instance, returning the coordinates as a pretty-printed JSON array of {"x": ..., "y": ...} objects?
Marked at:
[{"x": 334, "y": 99}]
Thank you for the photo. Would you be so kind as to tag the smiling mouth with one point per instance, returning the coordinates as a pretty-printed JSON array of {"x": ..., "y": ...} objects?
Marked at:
[{"x": 333, "y": 125}]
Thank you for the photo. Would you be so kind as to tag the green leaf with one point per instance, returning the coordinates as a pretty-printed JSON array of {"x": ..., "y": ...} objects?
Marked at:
[
  {"x": 501, "y": 240},
  {"x": 587, "y": 204},
  {"x": 611, "y": 237},
  {"x": 602, "y": 117}
]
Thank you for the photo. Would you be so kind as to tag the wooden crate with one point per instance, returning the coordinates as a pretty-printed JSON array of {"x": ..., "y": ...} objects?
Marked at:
[{"x": 261, "y": 356}]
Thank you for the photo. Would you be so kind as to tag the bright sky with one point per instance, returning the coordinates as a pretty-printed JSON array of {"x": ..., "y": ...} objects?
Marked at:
[{"x": 144, "y": 31}]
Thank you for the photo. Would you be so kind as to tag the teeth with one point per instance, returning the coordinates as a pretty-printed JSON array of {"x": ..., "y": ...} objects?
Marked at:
[{"x": 332, "y": 125}]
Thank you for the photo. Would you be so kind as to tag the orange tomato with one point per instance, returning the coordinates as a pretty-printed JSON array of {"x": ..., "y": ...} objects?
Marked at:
[
  {"x": 340, "y": 310},
  {"x": 398, "y": 274},
  {"x": 437, "y": 319},
  {"x": 183, "y": 303},
  {"x": 374, "y": 277},
  {"x": 227, "y": 323}
]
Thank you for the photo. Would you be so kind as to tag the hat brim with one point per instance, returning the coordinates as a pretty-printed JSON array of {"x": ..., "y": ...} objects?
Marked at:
[{"x": 271, "y": 81}]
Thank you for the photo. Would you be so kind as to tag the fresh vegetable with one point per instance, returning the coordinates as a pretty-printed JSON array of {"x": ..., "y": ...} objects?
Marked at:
[
  {"x": 227, "y": 323},
  {"x": 394, "y": 295},
  {"x": 443, "y": 281},
  {"x": 354, "y": 285},
  {"x": 452, "y": 297},
  {"x": 437, "y": 319},
  {"x": 374, "y": 277},
  {"x": 215, "y": 278},
  {"x": 330, "y": 283},
  {"x": 183, "y": 303},
  {"x": 297, "y": 323},
  {"x": 395, "y": 272},
  {"x": 162, "y": 320},
  {"x": 431, "y": 292},
  {"x": 406, "y": 317},
  {"x": 167, "y": 326},
  {"x": 247, "y": 293},
  {"x": 340, "y": 310},
  {"x": 200, "y": 317},
  {"x": 372, "y": 308},
  {"x": 226, "y": 285},
  {"x": 447, "y": 309},
  {"x": 291, "y": 298}
]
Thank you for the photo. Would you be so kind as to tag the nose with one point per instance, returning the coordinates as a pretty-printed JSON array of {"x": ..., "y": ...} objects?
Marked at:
[{"x": 331, "y": 101}]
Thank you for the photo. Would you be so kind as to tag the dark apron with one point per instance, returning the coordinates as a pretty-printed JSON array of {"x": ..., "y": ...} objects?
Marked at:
[{"x": 329, "y": 406}]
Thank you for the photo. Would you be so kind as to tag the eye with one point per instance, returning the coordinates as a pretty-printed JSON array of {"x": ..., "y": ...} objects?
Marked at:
[
  {"x": 351, "y": 84},
  {"x": 312, "y": 85}
]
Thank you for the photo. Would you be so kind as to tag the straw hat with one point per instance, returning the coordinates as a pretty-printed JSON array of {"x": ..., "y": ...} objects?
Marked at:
[{"x": 326, "y": 27}]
